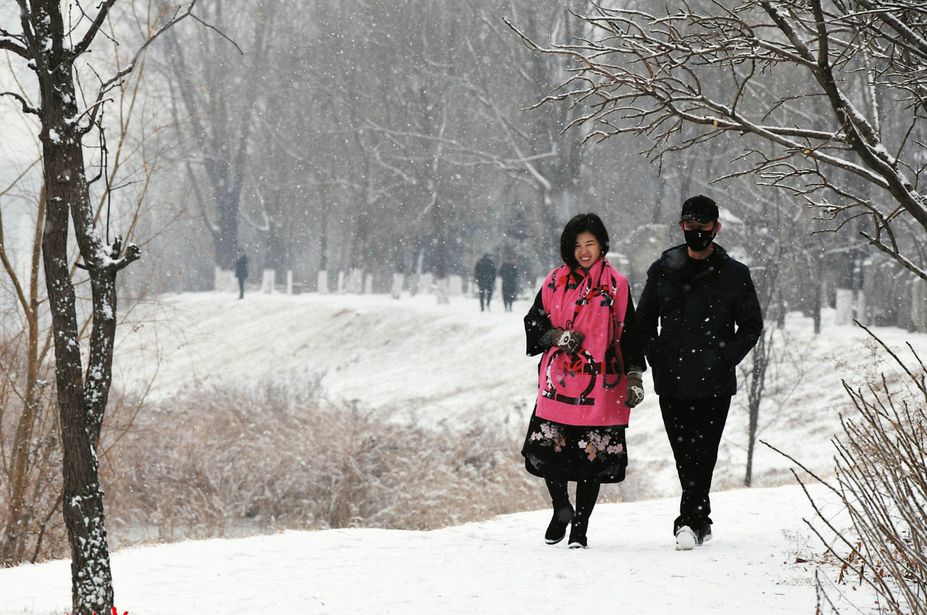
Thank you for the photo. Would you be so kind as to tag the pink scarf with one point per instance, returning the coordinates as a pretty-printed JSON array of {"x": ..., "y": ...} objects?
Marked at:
[{"x": 588, "y": 388}]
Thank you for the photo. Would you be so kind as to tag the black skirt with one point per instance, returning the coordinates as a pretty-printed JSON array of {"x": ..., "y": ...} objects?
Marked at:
[{"x": 575, "y": 452}]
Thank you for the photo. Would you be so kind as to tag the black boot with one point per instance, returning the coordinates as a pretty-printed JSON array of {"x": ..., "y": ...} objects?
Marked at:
[
  {"x": 577, "y": 535},
  {"x": 587, "y": 492},
  {"x": 556, "y": 530},
  {"x": 563, "y": 511}
]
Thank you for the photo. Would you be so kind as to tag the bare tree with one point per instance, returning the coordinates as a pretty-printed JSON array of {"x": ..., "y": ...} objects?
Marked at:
[
  {"x": 719, "y": 70},
  {"x": 219, "y": 105},
  {"x": 52, "y": 39},
  {"x": 531, "y": 147}
]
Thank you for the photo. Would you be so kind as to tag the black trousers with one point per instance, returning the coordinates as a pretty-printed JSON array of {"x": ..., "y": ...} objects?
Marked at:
[
  {"x": 485, "y": 296},
  {"x": 241, "y": 288},
  {"x": 694, "y": 428},
  {"x": 508, "y": 297}
]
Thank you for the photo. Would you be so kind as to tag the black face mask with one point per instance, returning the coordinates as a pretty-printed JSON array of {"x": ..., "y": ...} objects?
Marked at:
[{"x": 699, "y": 240}]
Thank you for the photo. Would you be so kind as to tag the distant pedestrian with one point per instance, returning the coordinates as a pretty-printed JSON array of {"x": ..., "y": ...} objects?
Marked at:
[
  {"x": 509, "y": 274},
  {"x": 583, "y": 322},
  {"x": 698, "y": 293},
  {"x": 241, "y": 272},
  {"x": 485, "y": 274}
]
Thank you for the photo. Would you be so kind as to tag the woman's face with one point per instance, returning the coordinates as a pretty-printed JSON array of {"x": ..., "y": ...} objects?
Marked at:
[{"x": 587, "y": 250}]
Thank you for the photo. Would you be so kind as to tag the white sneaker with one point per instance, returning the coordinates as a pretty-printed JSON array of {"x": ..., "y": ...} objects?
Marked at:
[{"x": 685, "y": 539}]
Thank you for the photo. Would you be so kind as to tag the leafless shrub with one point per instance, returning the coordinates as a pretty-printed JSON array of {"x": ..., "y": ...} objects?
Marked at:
[
  {"x": 881, "y": 483},
  {"x": 30, "y": 534},
  {"x": 42, "y": 533},
  {"x": 224, "y": 461}
]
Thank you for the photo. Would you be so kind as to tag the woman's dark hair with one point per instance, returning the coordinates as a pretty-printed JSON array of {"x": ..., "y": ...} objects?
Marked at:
[{"x": 583, "y": 223}]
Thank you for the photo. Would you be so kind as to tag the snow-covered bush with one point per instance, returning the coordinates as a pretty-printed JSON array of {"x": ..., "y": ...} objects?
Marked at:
[
  {"x": 881, "y": 483},
  {"x": 264, "y": 458}
]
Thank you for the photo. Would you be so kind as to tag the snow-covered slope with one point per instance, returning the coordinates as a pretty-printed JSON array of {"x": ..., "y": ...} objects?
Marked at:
[
  {"x": 500, "y": 567},
  {"x": 450, "y": 365}
]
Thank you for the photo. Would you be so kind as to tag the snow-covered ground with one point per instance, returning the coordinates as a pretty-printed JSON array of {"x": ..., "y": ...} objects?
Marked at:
[
  {"x": 446, "y": 367},
  {"x": 754, "y": 565}
]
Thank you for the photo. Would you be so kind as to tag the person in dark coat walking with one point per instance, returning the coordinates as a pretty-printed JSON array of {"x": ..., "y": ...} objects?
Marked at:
[
  {"x": 509, "y": 274},
  {"x": 589, "y": 378},
  {"x": 709, "y": 318},
  {"x": 241, "y": 272},
  {"x": 485, "y": 274}
]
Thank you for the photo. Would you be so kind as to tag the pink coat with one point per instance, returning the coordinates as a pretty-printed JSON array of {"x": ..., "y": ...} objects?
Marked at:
[{"x": 590, "y": 387}]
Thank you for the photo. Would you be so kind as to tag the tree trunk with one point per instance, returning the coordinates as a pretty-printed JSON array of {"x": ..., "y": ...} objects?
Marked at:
[
  {"x": 81, "y": 402},
  {"x": 918, "y": 305},
  {"x": 567, "y": 201},
  {"x": 82, "y": 504},
  {"x": 754, "y": 397},
  {"x": 226, "y": 239},
  {"x": 817, "y": 282},
  {"x": 398, "y": 282}
]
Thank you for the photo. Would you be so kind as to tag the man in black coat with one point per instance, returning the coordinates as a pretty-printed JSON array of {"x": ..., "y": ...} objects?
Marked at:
[
  {"x": 709, "y": 318},
  {"x": 485, "y": 274}
]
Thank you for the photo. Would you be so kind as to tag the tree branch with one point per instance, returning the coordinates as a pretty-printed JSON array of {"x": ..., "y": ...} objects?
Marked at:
[
  {"x": 895, "y": 254},
  {"x": 179, "y": 15},
  {"x": 91, "y": 33},
  {"x": 8, "y": 45},
  {"x": 27, "y": 108}
]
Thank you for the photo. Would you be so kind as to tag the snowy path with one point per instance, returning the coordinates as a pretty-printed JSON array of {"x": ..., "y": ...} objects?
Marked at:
[{"x": 500, "y": 566}]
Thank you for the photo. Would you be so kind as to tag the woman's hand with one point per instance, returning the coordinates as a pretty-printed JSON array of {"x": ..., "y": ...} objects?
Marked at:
[
  {"x": 635, "y": 393},
  {"x": 568, "y": 341}
]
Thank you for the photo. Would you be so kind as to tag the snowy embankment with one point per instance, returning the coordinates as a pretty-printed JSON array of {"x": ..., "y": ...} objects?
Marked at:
[
  {"x": 756, "y": 564},
  {"x": 451, "y": 365}
]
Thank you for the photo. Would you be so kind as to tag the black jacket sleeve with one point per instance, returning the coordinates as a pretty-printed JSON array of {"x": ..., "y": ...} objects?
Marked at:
[
  {"x": 537, "y": 324},
  {"x": 648, "y": 312},
  {"x": 749, "y": 320},
  {"x": 632, "y": 347}
]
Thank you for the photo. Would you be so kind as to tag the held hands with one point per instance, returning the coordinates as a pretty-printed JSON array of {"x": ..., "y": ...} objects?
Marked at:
[{"x": 635, "y": 393}]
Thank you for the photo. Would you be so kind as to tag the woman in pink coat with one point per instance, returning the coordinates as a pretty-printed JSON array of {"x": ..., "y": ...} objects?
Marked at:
[{"x": 589, "y": 377}]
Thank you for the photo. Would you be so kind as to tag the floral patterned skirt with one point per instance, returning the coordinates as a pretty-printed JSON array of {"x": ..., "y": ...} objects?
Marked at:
[{"x": 575, "y": 452}]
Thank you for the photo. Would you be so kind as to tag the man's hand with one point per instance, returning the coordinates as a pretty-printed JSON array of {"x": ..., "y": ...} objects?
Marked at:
[{"x": 635, "y": 393}]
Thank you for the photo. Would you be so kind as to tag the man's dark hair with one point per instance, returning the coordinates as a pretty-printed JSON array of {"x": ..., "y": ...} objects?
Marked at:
[{"x": 583, "y": 223}]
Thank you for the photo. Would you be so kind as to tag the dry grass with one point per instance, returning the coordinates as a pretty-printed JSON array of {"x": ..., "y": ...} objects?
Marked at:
[{"x": 220, "y": 462}]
